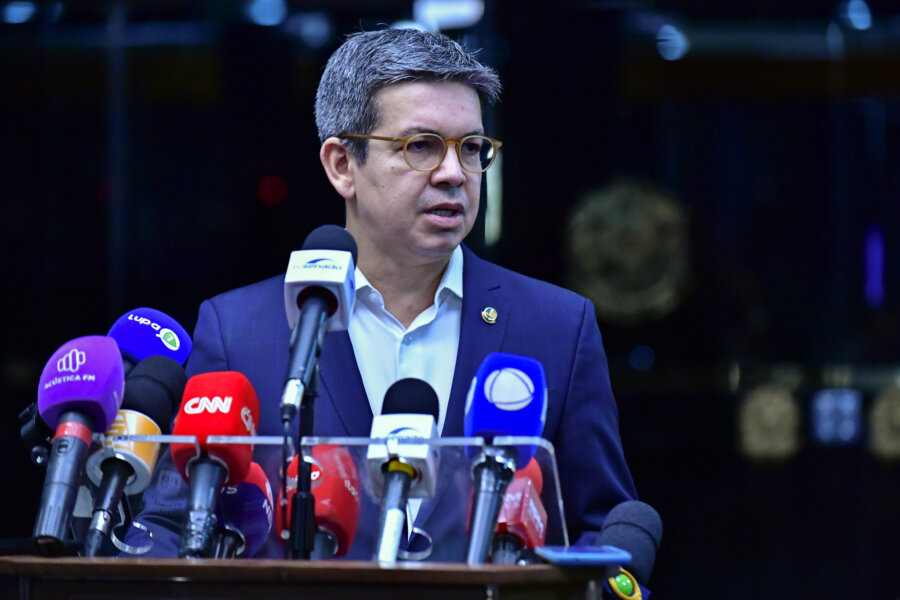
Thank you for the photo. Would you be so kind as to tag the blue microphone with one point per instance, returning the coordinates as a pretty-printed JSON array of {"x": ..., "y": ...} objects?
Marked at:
[
  {"x": 144, "y": 332},
  {"x": 508, "y": 397}
]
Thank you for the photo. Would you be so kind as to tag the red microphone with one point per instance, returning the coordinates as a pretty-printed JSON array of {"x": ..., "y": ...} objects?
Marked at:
[
  {"x": 335, "y": 484},
  {"x": 522, "y": 523},
  {"x": 223, "y": 403}
]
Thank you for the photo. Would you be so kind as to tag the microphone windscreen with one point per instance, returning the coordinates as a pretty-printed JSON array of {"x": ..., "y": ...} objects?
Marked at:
[
  {"x": 337, "y": 495},
  {"x": 84, "y": 374},
  {"x": 533, "y": 472},
  {"x": 331, "y": 237},
  {"x": 410, "y": 396},
  {"x": 248, "y": 507},
  {"x": 637, "y": 528},
  {"x": 155, "y": 387},
  {"x": 508, "y": 397},
  {"x": 523, "y": 514},
  {"x": 219, "y": 403},
  {"x": 144, "y": 332}
]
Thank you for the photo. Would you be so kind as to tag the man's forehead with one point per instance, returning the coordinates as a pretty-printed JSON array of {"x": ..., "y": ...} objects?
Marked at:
[
  {"x": 401, "y": 101},
  {"x": 402, "y": 89}
]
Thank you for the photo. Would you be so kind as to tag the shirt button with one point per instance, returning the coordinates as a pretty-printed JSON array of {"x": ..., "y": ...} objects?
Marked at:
[{"x": 407, "y": 339}]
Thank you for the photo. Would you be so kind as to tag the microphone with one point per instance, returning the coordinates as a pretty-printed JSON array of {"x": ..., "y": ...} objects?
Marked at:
[
  {"x": 140, "y": 333},
  {"x": 245, "y": 515},
  {"x": 337, "y": 502},
  {"x": 508, "y": 397},
  {"x": 145, "y": 332},
  {"x": 636, "y": 527},
  {"x": 152, "y": 391},
  {"x": 80, "y": 390},
  {"x": 221, "y": 403},
  {"x": 335, "y": 484},
  {"x": 318, "y": 297},
  {"x": 522, "y": 522},
  {"x": 402, "y": 470}
]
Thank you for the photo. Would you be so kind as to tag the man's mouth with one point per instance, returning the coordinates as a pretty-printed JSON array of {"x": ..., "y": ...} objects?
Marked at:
[{"x": 444, "y": 212}]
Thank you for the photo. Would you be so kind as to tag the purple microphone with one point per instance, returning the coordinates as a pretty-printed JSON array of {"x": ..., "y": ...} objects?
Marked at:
[
  {"x": 80, "y": 391},
  {"x": 245, "y": 512},
  {"x": 140, "y": 334}
]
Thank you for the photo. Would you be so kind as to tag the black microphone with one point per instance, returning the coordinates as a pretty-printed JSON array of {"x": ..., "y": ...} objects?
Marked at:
[
  {"x": 403, "y": 470},
  {"x": 153, "y": 391},
  {"x": 635, "y": 527},
  {"x": 318, "y": 295}
]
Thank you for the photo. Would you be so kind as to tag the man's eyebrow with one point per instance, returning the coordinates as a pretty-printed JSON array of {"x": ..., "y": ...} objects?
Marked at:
[{"x": 415, "y": 130}]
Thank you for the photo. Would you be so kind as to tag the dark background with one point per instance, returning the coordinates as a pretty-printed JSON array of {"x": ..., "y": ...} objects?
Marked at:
[{"x": 157, "y": 153}]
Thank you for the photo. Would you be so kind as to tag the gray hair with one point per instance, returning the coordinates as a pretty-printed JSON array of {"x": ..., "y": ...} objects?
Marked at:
[{"x": 370, "y": 60}]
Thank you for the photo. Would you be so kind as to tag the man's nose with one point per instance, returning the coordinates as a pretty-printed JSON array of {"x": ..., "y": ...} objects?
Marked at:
[{"x": 450, "y": 170}]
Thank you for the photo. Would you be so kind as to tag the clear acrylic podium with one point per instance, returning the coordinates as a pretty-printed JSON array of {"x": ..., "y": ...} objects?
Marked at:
[{"x": 448, "y": 508}]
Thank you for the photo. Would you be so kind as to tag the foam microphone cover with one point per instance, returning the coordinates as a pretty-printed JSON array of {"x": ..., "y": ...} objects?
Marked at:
[
  {"x": 523, "y": 514},
  {"x": 337, "y": 495},
  {"x": 85, "y": 374},
  {"x": 507, "y": 397},
  {"x": 248, "y": 507},
  {"x": 145, "y": 332},
  {"x": 410, "y": 396},
  {"x": 221, "y": 403},
  {"x": 637, "y": 528},
  {"x": 533, "y": 472},
  {"x": 155, "y": 388},
  {"x": 330, "y": 237},
  {"x": 335, "y": 487}
]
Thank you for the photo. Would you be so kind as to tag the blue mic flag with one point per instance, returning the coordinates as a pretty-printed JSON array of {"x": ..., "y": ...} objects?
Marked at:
[{"x": 508, "y": 397}]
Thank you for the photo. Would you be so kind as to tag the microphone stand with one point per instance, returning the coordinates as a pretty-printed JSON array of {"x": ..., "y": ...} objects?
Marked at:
[{"x": 303, "y": 517}]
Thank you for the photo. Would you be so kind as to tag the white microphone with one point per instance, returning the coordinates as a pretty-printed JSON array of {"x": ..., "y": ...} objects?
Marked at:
[
  {"x": 319, "y": 289},
  {"x": 399, "y": 470}
]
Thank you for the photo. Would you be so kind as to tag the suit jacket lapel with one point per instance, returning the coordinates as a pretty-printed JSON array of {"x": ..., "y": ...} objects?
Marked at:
[
  {"x": 343, "y": 387},
  {"x": 477, "y": 338}
]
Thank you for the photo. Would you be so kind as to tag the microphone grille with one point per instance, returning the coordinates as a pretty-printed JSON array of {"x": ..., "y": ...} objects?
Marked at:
[
  {"x": 331, "y": 237},
  {"x": 410, "y": 396},
  {"x": 636, "y": 527},
  {"x": 155, "y": 387},
  {"x": 637, "y": 514}
]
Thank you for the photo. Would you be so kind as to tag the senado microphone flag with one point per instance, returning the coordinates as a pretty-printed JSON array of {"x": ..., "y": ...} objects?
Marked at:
[
  {"x": 508, "y": 397},
  {"x": 221, "y": 403},
  {"x": 80, "y": 390},
  {"x": 153, "y": 390},
  {"x": 245, "y": 514},
  {"x": 318, "y": 297},
  {"x": 400, "y": 471}
]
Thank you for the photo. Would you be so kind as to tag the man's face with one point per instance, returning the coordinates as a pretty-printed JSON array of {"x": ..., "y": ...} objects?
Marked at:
[{"x": 408, "y": 217}]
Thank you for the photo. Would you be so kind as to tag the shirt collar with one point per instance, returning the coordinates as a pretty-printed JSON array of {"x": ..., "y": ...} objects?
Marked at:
[{"x": 452, "y": 281}]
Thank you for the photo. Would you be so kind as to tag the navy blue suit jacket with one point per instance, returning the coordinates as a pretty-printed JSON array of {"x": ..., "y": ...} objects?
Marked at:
[{"x": 246, "y": 330}]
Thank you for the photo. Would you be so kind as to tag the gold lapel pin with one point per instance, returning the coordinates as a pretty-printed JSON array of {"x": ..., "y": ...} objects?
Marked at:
[{"x": 489, "y": 315}]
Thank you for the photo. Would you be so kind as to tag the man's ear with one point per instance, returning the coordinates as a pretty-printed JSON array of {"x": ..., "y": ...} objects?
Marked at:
[{"x": 336, "y": 161}]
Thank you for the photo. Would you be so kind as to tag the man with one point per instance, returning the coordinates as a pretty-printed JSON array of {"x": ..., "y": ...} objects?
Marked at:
[{"x": 400, "y": 120}]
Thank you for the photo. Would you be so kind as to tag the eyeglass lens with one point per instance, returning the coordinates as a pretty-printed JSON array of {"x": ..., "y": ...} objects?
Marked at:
[{"x": 426, "y": 151}]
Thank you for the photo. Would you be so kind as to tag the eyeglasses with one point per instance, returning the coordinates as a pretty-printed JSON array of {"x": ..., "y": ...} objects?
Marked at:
[{"x": 426, "y": 151}]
